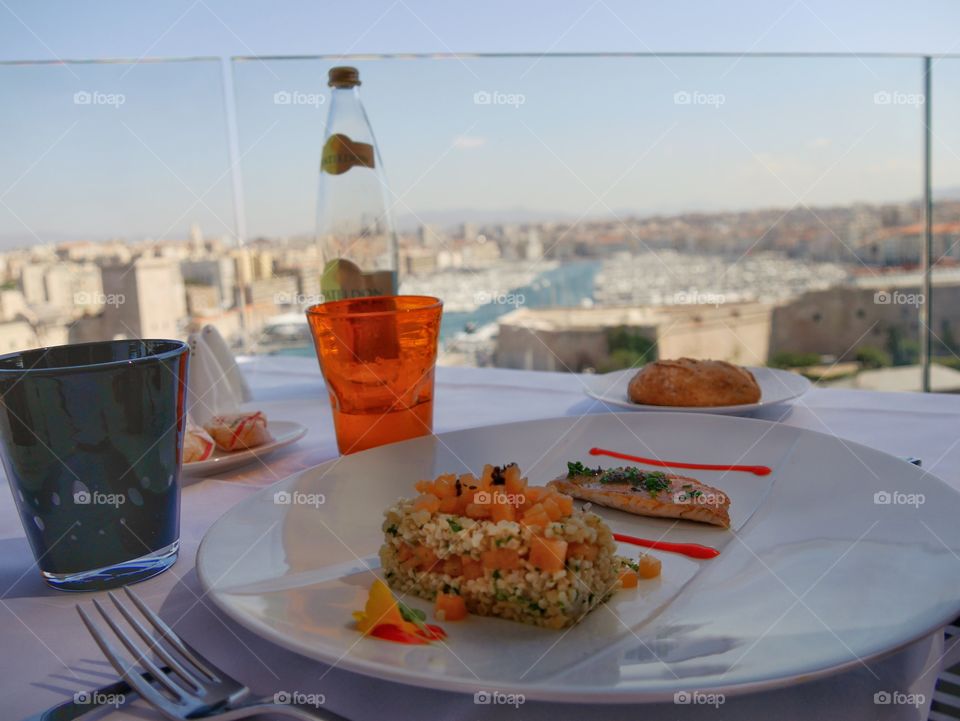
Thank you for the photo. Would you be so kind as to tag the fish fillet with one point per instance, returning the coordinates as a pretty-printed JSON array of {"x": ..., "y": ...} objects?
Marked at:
[{"x": 649, "y": 493}]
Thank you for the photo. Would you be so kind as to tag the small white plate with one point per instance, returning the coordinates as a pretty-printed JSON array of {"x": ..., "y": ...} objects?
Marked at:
[
  {"x": 284, "y": 433},
  {"x": 776, "y": 386}
]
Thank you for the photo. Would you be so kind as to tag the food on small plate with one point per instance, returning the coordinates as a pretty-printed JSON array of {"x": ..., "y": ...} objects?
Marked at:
[
  {"x": 646, "y": 493},
  {"x": 239, "y": 431},
  {"x": 197, "y": 444},
  {"x": 502, "y": 547},
  {"x": 687, "y": 382}
]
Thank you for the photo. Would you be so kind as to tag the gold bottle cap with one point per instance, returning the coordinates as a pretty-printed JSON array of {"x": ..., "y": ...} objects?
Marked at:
[{"x": 343, "y": 76}]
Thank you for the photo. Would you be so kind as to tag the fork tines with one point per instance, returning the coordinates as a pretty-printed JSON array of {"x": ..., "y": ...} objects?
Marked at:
[{"x": 182, "y": 663}]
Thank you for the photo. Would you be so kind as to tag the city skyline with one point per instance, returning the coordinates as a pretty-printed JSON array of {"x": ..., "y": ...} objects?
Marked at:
[
  {"x": 796, "y": 288},
  {"x": 449, "y": 223}
]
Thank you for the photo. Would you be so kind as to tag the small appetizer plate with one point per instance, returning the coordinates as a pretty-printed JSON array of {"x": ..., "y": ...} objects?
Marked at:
[
  {"x": 776, "y": 386},
  {"x": 840, "y": 555},
  {"x": 284, "y": 433}
]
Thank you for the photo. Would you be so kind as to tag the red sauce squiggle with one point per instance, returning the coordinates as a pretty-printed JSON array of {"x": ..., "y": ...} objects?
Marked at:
[
  {"x": 756, "y": 470},
  {"x": 389, "y": 632},
  {"x": 693, "y": 550}
]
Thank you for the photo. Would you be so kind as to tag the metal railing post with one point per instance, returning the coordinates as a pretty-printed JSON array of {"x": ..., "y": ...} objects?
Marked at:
[{"x": 926, "y": 311}]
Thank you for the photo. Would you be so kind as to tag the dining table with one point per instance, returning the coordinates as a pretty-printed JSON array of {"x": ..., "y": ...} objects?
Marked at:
[{"x": 47, "y": 656}]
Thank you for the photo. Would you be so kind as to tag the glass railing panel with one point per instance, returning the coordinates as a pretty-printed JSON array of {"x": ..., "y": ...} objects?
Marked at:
[
  {"x": 115, "y": 191},
  {"x": 575, "y": 211},
  {"x": 945, "y": 144}
]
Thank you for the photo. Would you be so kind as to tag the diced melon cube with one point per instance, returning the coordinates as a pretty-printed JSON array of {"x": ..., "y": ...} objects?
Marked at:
[
  {"x": 548, "y": 554},
  {"x": 649, "y": 566}
]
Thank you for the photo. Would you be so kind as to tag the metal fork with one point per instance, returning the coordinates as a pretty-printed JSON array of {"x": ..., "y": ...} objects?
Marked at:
[{"x": 194, "y": 688}]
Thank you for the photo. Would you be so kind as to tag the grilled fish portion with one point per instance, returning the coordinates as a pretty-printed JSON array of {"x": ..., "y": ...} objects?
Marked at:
[{"x": 647, "y": 493}]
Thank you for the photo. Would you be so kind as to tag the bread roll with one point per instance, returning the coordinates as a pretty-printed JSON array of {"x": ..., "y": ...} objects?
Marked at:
[{"x": 693, "y": 383}]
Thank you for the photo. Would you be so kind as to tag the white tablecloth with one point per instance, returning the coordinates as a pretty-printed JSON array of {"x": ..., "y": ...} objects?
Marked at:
[{"x": 46, "y": 655}]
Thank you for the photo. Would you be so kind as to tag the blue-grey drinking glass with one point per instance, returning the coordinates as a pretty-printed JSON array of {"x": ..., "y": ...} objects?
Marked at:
[{"x": 91, "y": 438}]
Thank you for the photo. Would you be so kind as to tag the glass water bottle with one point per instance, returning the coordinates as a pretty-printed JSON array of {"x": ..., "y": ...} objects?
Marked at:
[{"x": 354, "y": 229}]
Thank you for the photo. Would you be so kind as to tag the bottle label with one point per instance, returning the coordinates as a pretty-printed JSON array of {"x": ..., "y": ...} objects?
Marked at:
[
  {"x": 342, "y": 279},
  {"x": 340, "y": 154}
]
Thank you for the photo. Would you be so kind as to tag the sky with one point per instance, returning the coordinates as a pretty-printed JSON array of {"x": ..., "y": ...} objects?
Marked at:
[
  {"x": 40, "y": 29},
  {"x": 143, "y": 148}
]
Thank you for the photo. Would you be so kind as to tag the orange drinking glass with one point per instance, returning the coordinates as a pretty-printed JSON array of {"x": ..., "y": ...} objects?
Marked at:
[{"x": 378, "y": 357}]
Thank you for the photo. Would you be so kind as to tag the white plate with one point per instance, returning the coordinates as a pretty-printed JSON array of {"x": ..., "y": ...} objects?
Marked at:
[
  {"x": 776, "y": 386},
  {"x": 814, "y": 577},
  {"x": 284, "y": 433}
]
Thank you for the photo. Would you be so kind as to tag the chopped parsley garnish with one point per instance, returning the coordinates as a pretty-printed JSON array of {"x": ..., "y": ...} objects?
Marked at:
[
  {"x": 393, "y": 530},
  {"x": 413, "y": 615},
  {"x": 633, "y": 565},
  {"x": 500, "y": 541},
  {"x": 496, "y": 574},
  {"x": 501, "y": 596},
  {"x": 650, "y": 481},
  {"x": 454, "y": 526},
  {"x": 632, "y": 475},
  {"x": 653, "y": 482}
]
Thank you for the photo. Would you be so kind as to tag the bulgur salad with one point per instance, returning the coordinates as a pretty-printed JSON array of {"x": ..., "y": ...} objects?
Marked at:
[{"x": 495, "y": 546}]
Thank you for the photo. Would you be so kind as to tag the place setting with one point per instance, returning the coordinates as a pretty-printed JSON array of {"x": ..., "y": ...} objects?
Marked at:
[
  {"x": 222, "y": 431},
  {"x": 612, "y": 558}
]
